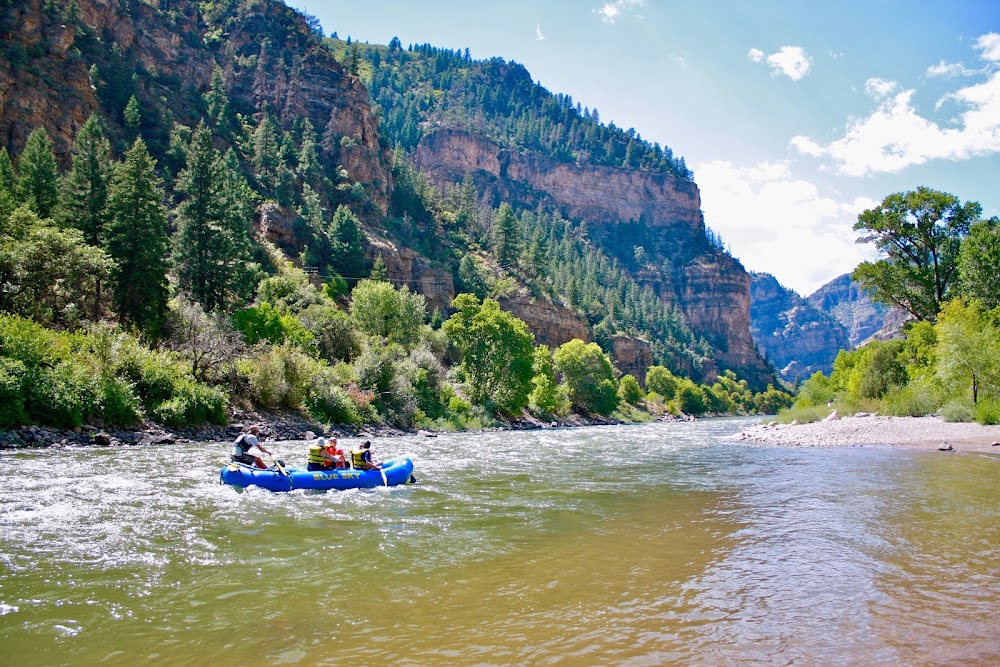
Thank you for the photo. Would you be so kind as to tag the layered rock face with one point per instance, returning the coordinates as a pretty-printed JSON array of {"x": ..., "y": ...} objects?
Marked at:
[
  {"x": 269, "y": 58},
  {"x": 622, "y": 208},
  {"x": 799, "y": 338}
]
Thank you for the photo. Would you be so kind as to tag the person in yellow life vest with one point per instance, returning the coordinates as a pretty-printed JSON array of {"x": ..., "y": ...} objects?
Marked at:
[
  {"x": 362, "y": 457},
  {"x": 325, "y": 455}
]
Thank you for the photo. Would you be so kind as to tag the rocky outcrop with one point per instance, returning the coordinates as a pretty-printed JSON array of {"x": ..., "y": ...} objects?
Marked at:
[
  {"x": 622, "y": 208},
  {"x": 632, "y": 356},
  {"x": 799, "y": 338},
  {"x": 406, "y": 267},
  {"x": 553, "y": 324}
]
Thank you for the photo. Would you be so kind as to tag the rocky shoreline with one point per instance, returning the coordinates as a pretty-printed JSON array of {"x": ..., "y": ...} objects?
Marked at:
[
  {"x": 274, "y": 426},
  {"x": 866, "y": 430}
]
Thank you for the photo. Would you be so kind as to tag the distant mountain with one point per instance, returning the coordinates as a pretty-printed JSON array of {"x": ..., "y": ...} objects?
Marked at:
[
  {"x": 798, "y": 337},
  {"x": 850, "y": 306},
  {"x": 804, "y": 335}
]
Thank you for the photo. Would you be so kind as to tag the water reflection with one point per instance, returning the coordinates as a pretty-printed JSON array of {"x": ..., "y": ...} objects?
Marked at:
[{"x": 618, "y": 545}]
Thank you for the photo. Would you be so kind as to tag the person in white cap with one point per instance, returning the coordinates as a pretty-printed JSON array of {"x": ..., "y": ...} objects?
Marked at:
[{"x": 244, "y": 443}]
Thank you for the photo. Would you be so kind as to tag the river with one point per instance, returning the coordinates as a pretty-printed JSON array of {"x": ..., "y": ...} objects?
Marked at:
[{"x": 618, "y": 545}]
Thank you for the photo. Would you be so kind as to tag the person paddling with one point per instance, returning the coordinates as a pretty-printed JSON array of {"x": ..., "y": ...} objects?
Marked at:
[{"x": 244, "y": 443}]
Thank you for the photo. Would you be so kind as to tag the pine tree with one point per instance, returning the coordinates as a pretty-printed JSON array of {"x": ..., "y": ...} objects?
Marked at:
[
  {"x": 38, "y": 175},
  {"x": 136, "y": 238},
  {"x": 265, "y": 155},
  {"x": 237, "y": 216},
  {"x": 217, "y": 102},
  {"x": 199, "y": 243},
  {"x": 310, "y": 167},
  {"x": 506, "y": 235},
  {"x": 133, "y": 116},
  {"x": 85, "y": 191},
  {"x": 348, "y": 244},
  {"x": 8, "y": 185}
]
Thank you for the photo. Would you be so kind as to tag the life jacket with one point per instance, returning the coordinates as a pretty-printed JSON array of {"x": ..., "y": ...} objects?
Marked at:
[
  {"x": 316, "y": 457},
  {"x": 359, "y": 459},
  {"x": 241, "y": 448}
]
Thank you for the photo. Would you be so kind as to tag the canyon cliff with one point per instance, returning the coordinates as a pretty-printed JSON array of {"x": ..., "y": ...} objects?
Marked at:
[{"x": 622, "y": 209}]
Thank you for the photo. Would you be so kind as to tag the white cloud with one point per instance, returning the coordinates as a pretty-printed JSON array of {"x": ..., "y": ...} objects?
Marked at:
[
  {"x": 538, "y": 33},
  {"x": 951, "y": 69},
  {"x": 780, "y": 224},
  {"x": 611, "y": 11},
  {"x": 989, "y": 46},
  {"x": 879, "y": 88},
  {"x": 895, "y": 136},
  {"x": 791, "y": 61}
]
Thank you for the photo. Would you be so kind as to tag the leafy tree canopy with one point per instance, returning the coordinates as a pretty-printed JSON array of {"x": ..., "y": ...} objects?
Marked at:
[{"x": 920, "y": 234}]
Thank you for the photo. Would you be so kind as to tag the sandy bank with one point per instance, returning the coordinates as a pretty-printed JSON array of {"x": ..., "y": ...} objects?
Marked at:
[{"x": 929, "y": 433}]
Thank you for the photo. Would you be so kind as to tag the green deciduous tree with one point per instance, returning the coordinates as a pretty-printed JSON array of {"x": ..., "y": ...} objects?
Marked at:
[
  {"x": 395, "y": 315},
  {"x": 588, "y": 375},
  {"x": 47, "y": 273},
  {"x": 660, "y": 380},
  {"x": 545, "y": 397},
  {"x": 38, "y": 175},
  {"x": 968, "y": 349},
  {"x": 919, "y": 233},
  {"x": 136, "y": 239},
  {"x": 979, "y": 263},
  {"x": 629, "y": 390},
  {"x": 497, "y": 352}
]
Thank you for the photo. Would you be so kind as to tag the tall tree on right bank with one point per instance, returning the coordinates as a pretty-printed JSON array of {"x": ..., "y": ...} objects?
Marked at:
[{"x": 920, "y": 234}]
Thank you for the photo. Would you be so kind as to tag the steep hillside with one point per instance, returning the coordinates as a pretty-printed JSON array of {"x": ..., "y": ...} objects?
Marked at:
[
  {"x": 65, "y": 61},
  {"x": 488, "y": 123}
]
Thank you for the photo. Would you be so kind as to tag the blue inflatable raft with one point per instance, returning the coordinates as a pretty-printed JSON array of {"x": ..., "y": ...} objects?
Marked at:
[{"x": 393, "y": 473}]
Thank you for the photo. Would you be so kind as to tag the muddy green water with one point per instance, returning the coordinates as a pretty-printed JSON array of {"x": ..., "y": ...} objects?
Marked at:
[{"x": 645, "y": 545}]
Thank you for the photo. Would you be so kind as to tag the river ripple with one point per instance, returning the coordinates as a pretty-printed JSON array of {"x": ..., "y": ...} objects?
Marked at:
[{"x": 639, "y": 545}]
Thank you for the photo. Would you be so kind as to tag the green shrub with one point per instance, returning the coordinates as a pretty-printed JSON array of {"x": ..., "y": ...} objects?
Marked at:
[
  {"x": 60, "y": 396},
  {"x": 817, "y": 390},
  {"x": 803, "y": 414},
  {"x": 988, "y": 411},
  {"x": 12, "y": 373},
  {"x": 916, "y": 399},
  {"x": 330, "y": 403},
  {"x": 193, "y": 403},
  {"x": 958, "y": 410},
  {"x": 117, "y": 401}
]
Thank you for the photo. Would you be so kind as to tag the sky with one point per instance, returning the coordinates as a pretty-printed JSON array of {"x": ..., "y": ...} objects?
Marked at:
[{"x": 794, "y": 116}]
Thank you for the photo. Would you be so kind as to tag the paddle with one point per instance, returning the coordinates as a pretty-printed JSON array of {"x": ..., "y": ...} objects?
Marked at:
[{"x": 277, "y": 464}]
